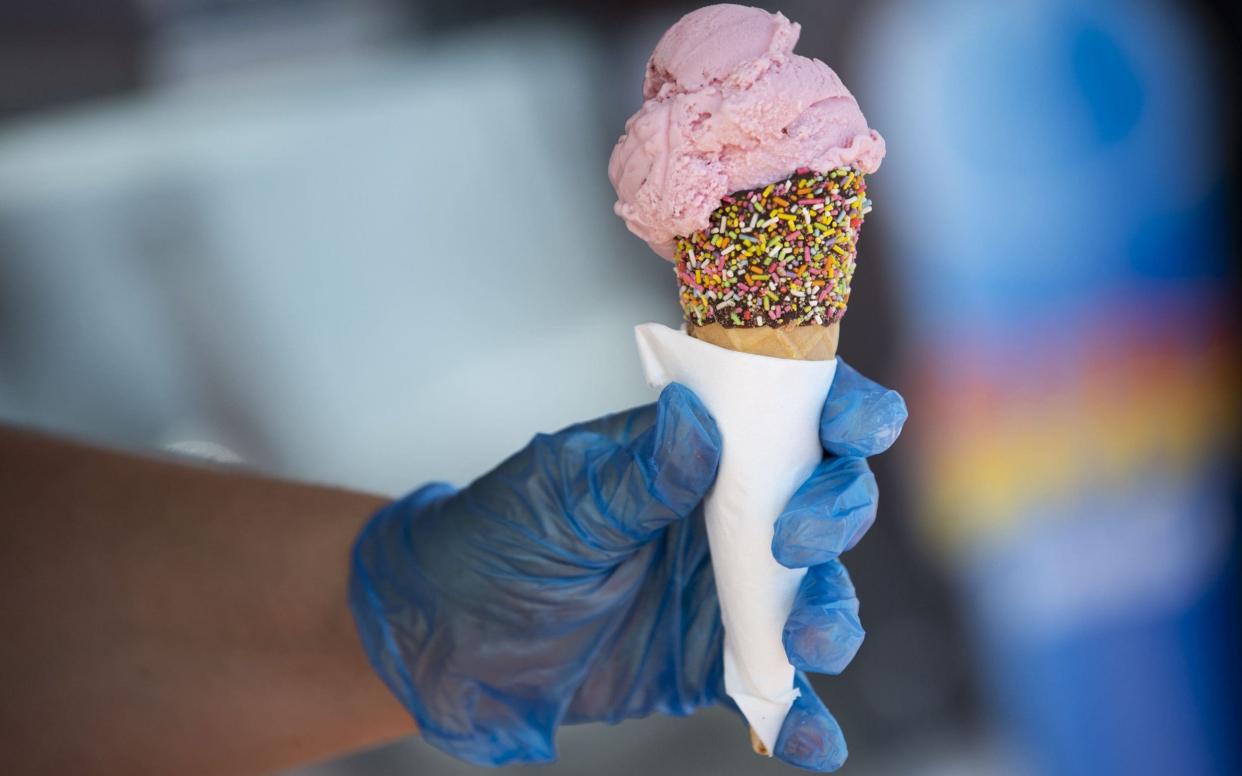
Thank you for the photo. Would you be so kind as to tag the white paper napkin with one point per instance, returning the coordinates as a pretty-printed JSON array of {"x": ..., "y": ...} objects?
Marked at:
[{"x": 768, "y": 412}]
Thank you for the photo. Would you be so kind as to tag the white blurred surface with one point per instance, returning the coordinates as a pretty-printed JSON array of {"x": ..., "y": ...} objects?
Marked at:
[{"x": 371, "y": 272}]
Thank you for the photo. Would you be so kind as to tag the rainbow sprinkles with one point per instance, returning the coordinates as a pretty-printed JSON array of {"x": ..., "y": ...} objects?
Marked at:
[{"x": 780, "y": 255}]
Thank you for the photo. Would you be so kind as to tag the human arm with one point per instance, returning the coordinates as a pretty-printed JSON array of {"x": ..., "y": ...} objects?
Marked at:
[
  {"x": 163, "y": 618},
  {"x": 170, "y": 618}
]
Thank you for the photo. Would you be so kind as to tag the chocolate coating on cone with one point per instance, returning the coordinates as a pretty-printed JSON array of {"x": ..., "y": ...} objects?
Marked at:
[
  {"x": 801, "y": 343},
  {"x": 777, "y": 256}
]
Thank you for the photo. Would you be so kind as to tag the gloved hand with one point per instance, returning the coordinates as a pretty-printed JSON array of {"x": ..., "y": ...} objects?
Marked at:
[{"x": 573, "y": 583}]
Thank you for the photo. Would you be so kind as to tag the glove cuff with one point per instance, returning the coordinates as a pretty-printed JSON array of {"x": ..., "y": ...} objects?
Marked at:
[{"x": 395, "y": 613}]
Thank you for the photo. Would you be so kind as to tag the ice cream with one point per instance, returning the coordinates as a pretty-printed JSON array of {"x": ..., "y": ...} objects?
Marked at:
[
  {"x": 746, "y": 167},
  {"x": 729, "y": 106}
]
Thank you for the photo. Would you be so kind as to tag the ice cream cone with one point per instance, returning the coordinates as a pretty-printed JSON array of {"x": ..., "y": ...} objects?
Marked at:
[
  {"x": 756, "y": 743},
  {"x": 764, "y": 256},
  {"x": 770, "y": 276},
  {"x": 801, "y": 343},
  {"x": 767, "y": 411}
]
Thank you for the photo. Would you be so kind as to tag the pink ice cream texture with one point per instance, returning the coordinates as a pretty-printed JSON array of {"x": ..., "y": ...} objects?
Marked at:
[{"x": 729, "y": 106}]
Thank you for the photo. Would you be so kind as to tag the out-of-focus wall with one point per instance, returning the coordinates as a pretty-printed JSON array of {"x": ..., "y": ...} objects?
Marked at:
[
  {"x": 1063, "y": 174},
  {"x": 372, "y": 271}
]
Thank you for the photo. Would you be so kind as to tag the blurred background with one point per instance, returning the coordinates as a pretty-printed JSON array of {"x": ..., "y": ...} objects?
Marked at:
[{"x": 271, "y": 226}]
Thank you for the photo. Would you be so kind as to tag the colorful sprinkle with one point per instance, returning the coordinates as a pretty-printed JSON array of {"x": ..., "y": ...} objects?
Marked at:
[{"x": 761, "y": 261}]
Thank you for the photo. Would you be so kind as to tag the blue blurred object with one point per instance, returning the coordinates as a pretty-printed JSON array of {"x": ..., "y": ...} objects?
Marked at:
[
  {"x": 573, "y": 583},
  {"x": 1059, "y": 177}
]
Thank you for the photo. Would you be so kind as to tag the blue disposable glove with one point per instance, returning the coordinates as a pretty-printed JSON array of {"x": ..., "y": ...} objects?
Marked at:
[{"x": 573, "y": 582}]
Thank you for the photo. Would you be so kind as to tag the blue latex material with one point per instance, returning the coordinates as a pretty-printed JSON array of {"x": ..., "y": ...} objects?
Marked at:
[{"x": 573, "y": 583}]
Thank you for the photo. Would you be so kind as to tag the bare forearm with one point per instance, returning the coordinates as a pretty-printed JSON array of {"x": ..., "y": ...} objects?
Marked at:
[{"x": 161, "y": 618}]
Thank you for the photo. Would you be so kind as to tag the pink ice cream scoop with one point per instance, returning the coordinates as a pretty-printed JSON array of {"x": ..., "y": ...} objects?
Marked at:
[{"x": 729, "y": 106}]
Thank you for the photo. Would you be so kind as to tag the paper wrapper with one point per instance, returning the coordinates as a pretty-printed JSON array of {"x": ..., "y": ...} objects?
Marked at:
[{"x": 767, "y": 408}]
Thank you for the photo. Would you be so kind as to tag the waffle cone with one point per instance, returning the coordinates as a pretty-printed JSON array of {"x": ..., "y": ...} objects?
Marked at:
[
  {"x": 800, "y": 343},
  {"x": 757, "y": 745}
]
